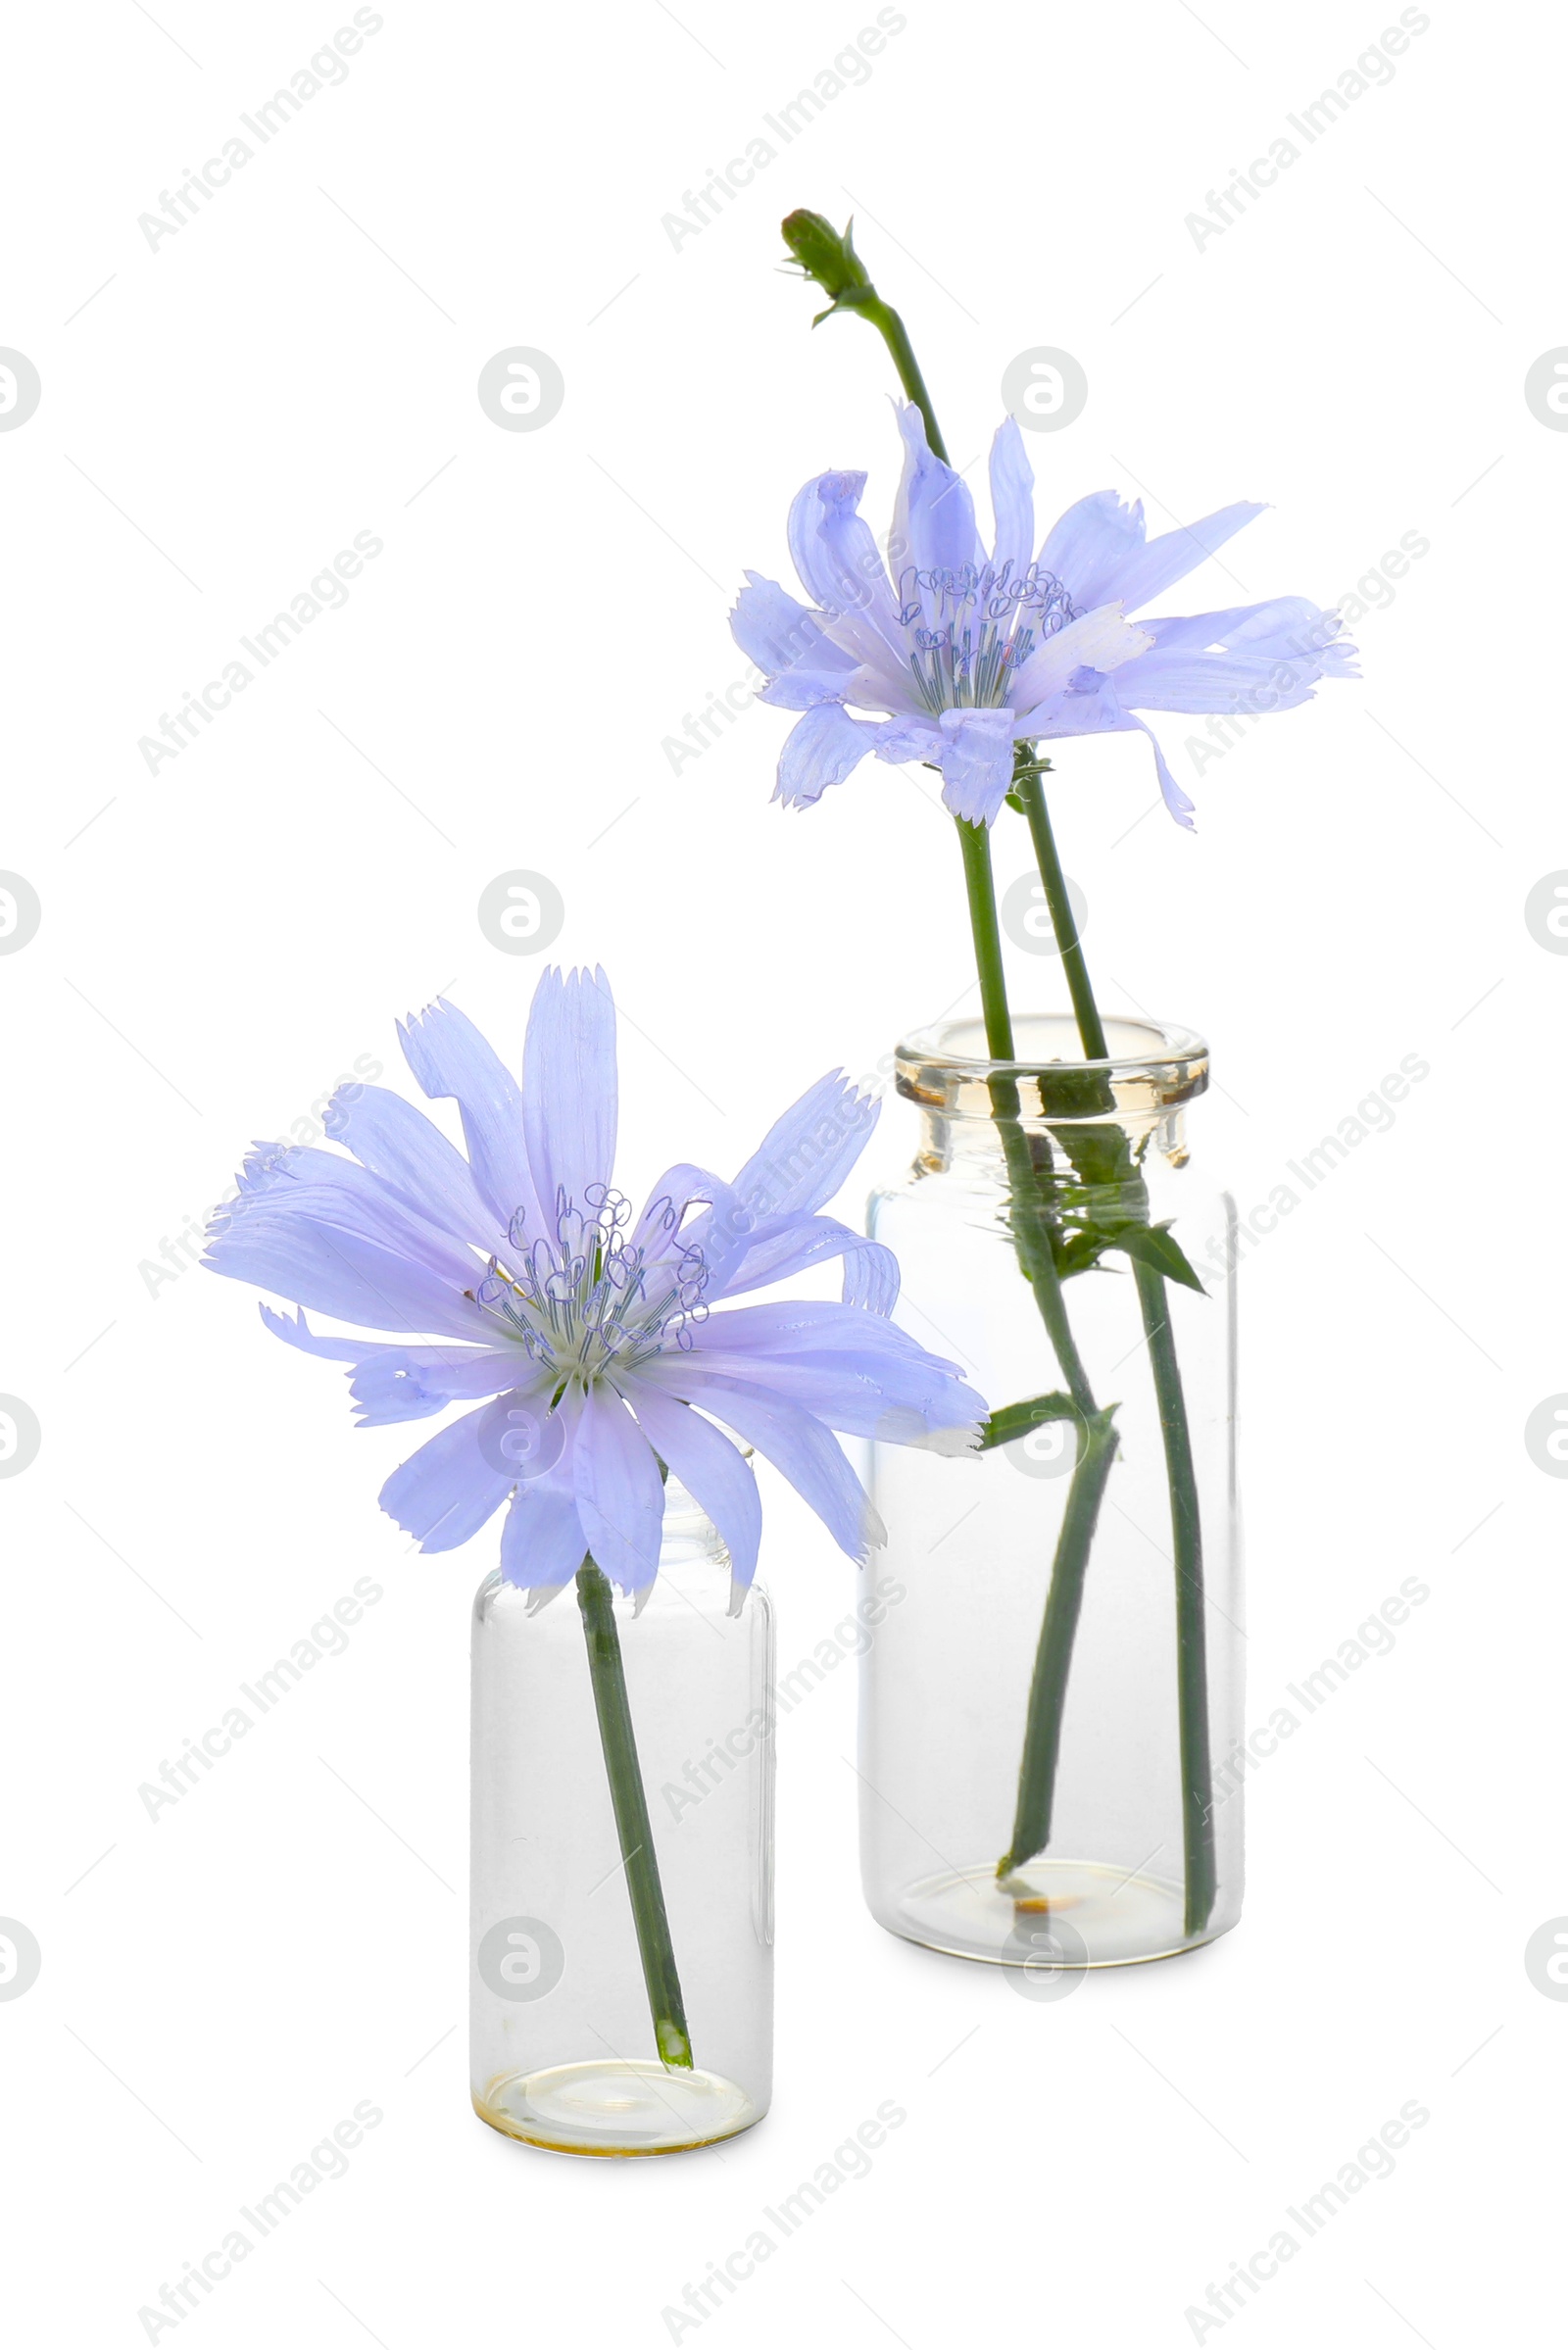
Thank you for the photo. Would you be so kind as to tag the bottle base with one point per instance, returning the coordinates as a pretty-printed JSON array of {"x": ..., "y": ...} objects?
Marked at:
[
  {"x": 1055, "y": 1916},
  {"x": 616, "y": 2105}
]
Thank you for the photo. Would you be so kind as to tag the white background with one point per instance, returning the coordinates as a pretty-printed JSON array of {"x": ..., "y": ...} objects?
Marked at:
[{"x": 222, "y": 940}]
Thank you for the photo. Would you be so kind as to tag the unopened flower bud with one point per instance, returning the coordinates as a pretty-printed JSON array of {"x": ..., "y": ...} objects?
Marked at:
[{"x": 828, "y": 259}]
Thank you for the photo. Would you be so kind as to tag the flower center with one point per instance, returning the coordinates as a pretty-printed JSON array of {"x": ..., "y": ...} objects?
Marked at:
[
  {"x": 584, "y": 1299},
  {"x": 972, "y": 628}
]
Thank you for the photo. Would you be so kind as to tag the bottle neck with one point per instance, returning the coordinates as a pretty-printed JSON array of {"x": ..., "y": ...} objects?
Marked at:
[{"x": 975, "y": 1147}]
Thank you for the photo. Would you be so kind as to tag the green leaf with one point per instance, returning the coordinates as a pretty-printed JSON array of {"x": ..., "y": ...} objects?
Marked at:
[
  {"x": 1098, "y": 1154},
  {"x": 1014, "y": 1420},
  {"x": 1154, "y": 1245},
  {"x": 1082, "y": 1252}
]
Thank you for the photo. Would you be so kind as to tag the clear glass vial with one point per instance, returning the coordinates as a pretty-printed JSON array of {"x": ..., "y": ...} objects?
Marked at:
[
  {"x": 1123, "y": 1676},
  {"x": 564, "y": 2050}
]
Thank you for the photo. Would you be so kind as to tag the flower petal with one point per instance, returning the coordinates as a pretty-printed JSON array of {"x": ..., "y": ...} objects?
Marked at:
[
  {"x": 452, "y": 1061},
  {"x": 667, "y": 1223},
  {"x": 812, "y": 1325},
  {"x": 861, "y": 1394},
  {"x": 400, "y": 1144},
  {"x": 776, "y": 632},
  {"x": 620, "y": 1497},
  {"x": 413, "y": 1383},
  {"x": 542, "y": 1541},
  {"x": 805, "y": 1155},
  {"x": 295, "y": 1331},
  {"x": 904, "y": 740},
  {"x": 804, "y": 689},
  {"x": 833, "y": 549},
  {"x": 936, "y": 512},
  {"x": 340, "y": 1273},
  {"x": 1289, "y": 623},
  {"x": 1090, "y": 542},
  {"x": 716, "y": 1475},
  {"x": 1175, "y": 799},
  {"x": 785, "y": 1244},
  {"x": 1148, "y": 571},
  {"x": 391, "y": 1382},
  {"x": 1097, "y": 640},
  {"x": 836, "y": 557},
  {"x": 976, "y": 762},
  {"x": 1012, "y": 502},
  {"x": 934, "y": 515},
  {"x": 446, "y": 1490},
  {"x": 819, "y": 749},
  {"x": 798, "y": 1446},
  {"x": 859, "y": 1374},
  {"x": 1234, "y": 650},
  {"x": 1245, "y": 684},
  {"x": 326, "y": 1189},
  {"x": 569, "y": 1087}
]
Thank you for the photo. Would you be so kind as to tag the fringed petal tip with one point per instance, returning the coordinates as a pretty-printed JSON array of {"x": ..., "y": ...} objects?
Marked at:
[
  {"x": 402, "y": 1526},
  {"x": 870, "y": 1532},
  {"x": 413, "y": 1020},
  {"x": 432, "y": 1545},
  {"x": 952, "y": 1443},
  {"x": 858, "y": 1095},
  {"x": 265, "y": 1164}
]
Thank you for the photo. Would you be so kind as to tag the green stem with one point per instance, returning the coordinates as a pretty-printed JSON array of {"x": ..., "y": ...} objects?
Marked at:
[
  {"x": 1048, "y": 1689},
  {"x": 616, "y": 1737},
  {"x": 1187, "y": 1542},
  {"x": 1030, "y": 1227},
  {"x": 979, "y": 883},
  {"x": 1187, "y": 1538},
  {"x": 1042, "y": 1741},
  {"x": 890, "y": 326},
  {"x": 1031, "y": 790}
]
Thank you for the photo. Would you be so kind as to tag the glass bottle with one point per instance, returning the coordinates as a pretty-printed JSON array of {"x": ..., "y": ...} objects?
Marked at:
[
  {"x": 565, "y": 2049},
  {"x": 1050, "y": 1728}
]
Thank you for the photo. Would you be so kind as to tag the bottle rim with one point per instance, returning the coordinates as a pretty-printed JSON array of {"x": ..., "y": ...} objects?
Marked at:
[{"x": 1151, "y": 1067}]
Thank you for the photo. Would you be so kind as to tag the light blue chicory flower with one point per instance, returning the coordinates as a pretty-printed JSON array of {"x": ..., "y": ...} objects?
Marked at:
[
  {"x": 971, "y": 653},
  {"x": 587, "y": 1329}
]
